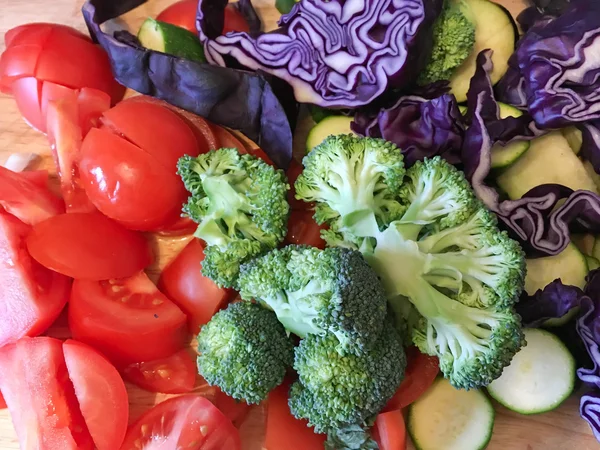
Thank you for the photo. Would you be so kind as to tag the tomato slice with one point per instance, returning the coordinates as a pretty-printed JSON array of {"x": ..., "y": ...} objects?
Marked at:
[
  {"x": 92, "y": 104},
  {"x": 421, "y": 372},
  {"x": 234, "y": 21},
  {"x": 227, "y": 139},
  {"x": 28, "y": 94},
  {"x": 292, "y": 173},
  {"x": 88, "y": 246},
  {"x": 198, "y": 296},
  {"x": 188, "y": 422},
  {"x": 284, "y": 431},
  {"x": 32, "y": 296},
  {"x": 128, "y": 320},
  {"x": 100, "y": 392},
  {"x": 155, "y": 129},
  {"x": 127, "y": 184},
  {"x": 182, "y": 14},
  {"x": 233, "y": 409},
  {"x": 26, "y": 200},
  {"x": 40, "y": 398},
  {"x": 303, "y": 230},
  {"x": 175, "y": 374},
  {"x": 389, "y": 431}
]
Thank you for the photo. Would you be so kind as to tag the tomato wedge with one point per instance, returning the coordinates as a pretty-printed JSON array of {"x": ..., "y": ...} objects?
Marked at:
[
  {"x": 284, "y": 431},
  {"x": 128, "y": 320},
  {"x": 421, "y": 372},
  {"x": 188, "y": 422},
  {"x": 100, "y": 392},
  {"x": 40, "y": 398},
  {"x": 32, "y": 296},
  {"x": 27, "y": 200},
  {"x": 183, "y": 14},
  {"x": 303, "y": 230},
  {"x": 389, "y": 431},
  {"x": 175, "y": 374}
]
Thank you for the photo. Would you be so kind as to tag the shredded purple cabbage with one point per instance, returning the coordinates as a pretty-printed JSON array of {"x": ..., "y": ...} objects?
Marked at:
[
  {"x": 335, "y": 54},
  {"x": 554, "y": 301}
]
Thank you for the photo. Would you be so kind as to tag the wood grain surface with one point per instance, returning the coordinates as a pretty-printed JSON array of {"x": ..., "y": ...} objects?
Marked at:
[{"x": 561, "y": 429}]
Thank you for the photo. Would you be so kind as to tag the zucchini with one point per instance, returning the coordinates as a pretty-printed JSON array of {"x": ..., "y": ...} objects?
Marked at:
[
  {"x": 592, "y": 173},
  {"x": 574, "y": 137},
  {"x": 584, "y": 242},
  {"x": 592, "y": 263},
  {"x": 548, "y": 160},
  {"x": 504, "y": 156},
  {"x": 494, "y": 29},
  {"x": 596, "y": 249},
  {"x": 540, "y": 377},
  {"x": 326, "y": 127},
  {"x": 446, "y": 418},
  {"x": 166, "y": 38}
]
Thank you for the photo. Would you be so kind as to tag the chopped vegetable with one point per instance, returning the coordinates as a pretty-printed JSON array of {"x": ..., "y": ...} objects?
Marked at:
[{"x": 171, "y": 39}]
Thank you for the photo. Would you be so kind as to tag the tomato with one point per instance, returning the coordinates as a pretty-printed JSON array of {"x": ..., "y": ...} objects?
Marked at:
[
  {"x": 56, "y": 54},
  {"x": 175, "y": 374},
  {"x": 2, "y": 402},
  {"x": 233, "y": 409},
  {"x": 32, "y": 296},
  {"x": 292, "y": 173},
  {"x": 155, "y": 129},
  {"x": 389, "y": 431},
  {"x": 303, "y": 230},
  {"x": 26, "y": 200},
  {"x": 421, "y": 371},
  {"x": 128, "y": 319},
  {"x": 284, "y": 431},
  {"x": 181, "y": 227},
  {"x": 198, "y": 296},
  {"x": 127, "y": 184},
  {"x": 188, "y": 422},
  {"x": 100, "y": 392},
  {"x": 38, "y": 177},
  {"x": 92, "y": 103},
  {"x": 183, "y": 14},
  {"x": 88, "y": 246},
  {"x": 40, "y": 398}
]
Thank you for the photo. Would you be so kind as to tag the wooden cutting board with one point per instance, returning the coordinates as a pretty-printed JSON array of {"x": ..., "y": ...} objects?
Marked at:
[{"x": 561, "y": 429}]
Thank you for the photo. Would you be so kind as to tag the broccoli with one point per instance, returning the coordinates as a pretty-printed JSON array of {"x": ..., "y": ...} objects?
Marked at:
[
  {"x": 438, "y": 248},
  {"x": 453, "y": 41},
  {"x": 245, "y": 351},
  {"x": 336, "y": 391},
  {"x": 316, "y": 291},
  {"x": 240, "y": 205}
]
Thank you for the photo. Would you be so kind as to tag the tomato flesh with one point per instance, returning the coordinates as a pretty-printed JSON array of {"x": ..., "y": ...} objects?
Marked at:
[
  {"x": 190, "y": 421},
  {"x": 175, "y": 374},
  {"x": 32, "y": 296},
  {"x": 303, "y": 230},
  {"x": 198, "y": 296},
  {"x": 233, "y": 409},
  {"x": 389, "y": 431},
  {"x": 128, "y": 320},
  {"x": 100, "y": 392}
]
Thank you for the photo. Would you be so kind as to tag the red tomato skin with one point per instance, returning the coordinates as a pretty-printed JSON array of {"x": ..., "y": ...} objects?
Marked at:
[
  {"x": 198, "y": 296},
  {"x": 27, "y": 92},
  {"x": 234, "y": 410},
  {"x": 88, "y": 246},
  {"x": 100, "y": 392},
  {"x": 2, "y": 402},
  {"x": 38, "y": 177},
  {"x": 183, "y": 226},
  {"x": 17, "y": 62},
  {"x": 190, "y": 413},
  {"x": 234, "y": 21},
  {"x": 155, "y": 129},
  {"x": 175, "y": 374},
  {"x": 36, "y": 33},
  {"x": 127, "y": 184},
  {"x": 123, "y": 333},
  {"x": 389, "y": 431},
  {"x": 92, "y": 104},
  {"x": 303, "y": 230},
  {"x": 292, "y": 173},
  {"x": 40, "y": 398},
  {"x": 32, "y": 296},
  {"x": 182, "y": 14}
]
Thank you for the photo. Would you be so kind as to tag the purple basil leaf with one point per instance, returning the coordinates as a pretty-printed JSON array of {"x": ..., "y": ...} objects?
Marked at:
[
  {"x": 238, "y": 99},
  {"x": 589, "y": 409},
  {"x": 420, "y": 127},
  {"x": 552, "y": 7},
  {"x": 532, "y": 16},
  {"x": 554, "y": 301},
  {"x": 340, "y": 53},
  {"x": 250, "y": 15}
]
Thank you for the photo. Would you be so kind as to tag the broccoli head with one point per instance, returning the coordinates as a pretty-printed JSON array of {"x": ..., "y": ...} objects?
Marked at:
[
  {"x": 336, "y": 391},
  {"x": 316, "y": 291},
  {"x": 245, "y": 351},
  {"x": 443, "y": 253},
  {"x": 453, "y": 41},
  {"x": 240, "y": 205}
]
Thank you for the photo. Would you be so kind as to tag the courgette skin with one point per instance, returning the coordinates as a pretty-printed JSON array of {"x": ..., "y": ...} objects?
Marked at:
[
  {"x": 326, "y": 127},
  {"x": 171, "y": 39}
]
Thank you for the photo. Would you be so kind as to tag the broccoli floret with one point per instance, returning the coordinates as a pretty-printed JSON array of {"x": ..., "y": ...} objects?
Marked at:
[
  {"x": 316, "y": 291},
  {"x": 453, "y": 41},
  {"x": 240, "y": 205},
  {"x": 446, "y": 256},
  {"x": 334, "y": 391},
  {"x": 245, "y": 351}
]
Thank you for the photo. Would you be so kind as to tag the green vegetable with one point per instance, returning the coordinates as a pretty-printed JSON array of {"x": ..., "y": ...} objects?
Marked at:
[
  {"x": 316, "y": 291},
  {"x": 352, "y": 437},
  {"x": 334, "y": 390},
  {"x": 446, "y": 267},
  {"x": 453, "y": 41},
  {"x": 167, "y": 38},
  {"x": 239, "y": 203},
  {"x": 245, "y": 351},
  {"x": 284, "y": 6}
]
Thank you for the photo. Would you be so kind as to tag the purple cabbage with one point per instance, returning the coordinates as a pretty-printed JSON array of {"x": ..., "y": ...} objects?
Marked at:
[
  {"x": 420, "y": 127},
  {"x": 335, "y": 54},
  {"x": 554, "y": 301},
  {"x": 238, "y": 99}
]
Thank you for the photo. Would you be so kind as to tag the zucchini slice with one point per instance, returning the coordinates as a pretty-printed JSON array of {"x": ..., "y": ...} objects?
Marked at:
[
  {"x": 592, "y": 263},
  {"x": 504, "y": 156},
  {"x": 326, "y": 127},
  {"x": 539, "y": 378},
  {"x": 574, "y": 137},
  {"x": 166, "y": 38}
]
